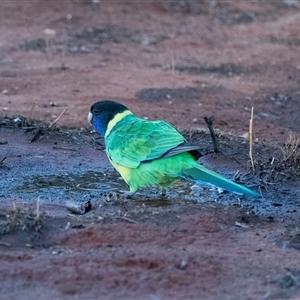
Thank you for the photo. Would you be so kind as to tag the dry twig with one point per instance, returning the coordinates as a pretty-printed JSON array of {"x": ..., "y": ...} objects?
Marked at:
[
  {"x": 173, "y": 69},
  {"x": 56, "y": 120},
  {"x": 126, "y": 219},
  {"x": 37, "y": 217},
  {"x": 5, "y": 244},
  {"x": 209, "y": 122},
  {"x": 30, "y": 113},
  {"x": 251, "y": 139},
  {"x": 2, "y": 160}
]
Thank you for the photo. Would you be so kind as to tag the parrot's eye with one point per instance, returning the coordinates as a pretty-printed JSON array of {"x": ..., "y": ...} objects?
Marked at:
[{"x": 95, "y": 111}]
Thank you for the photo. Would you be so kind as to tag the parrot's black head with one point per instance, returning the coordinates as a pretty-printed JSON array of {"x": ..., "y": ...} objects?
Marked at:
[{"x": 103, "y": 112}]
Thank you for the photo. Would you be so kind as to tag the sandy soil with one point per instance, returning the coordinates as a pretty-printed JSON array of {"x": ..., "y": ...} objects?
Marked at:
[{"x": 173, "y": 60}]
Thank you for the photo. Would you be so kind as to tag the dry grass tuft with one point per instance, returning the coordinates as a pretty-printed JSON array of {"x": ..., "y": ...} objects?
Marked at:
[
  {"x": 291, "y": 149},
  {"x": 18, "y": 219}
]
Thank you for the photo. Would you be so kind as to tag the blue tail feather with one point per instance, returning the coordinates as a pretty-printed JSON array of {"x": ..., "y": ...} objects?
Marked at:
[{"x": 201, "y": 174}]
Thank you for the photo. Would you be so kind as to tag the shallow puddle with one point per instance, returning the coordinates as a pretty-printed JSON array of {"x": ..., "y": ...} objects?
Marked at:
[
  {"x": 88, "y": 181},
  {"x": 91, "y": 184},
  {"x": 84, "y": 185}
]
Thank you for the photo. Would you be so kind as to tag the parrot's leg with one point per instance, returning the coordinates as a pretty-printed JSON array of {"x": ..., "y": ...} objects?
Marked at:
[{"x": 130, "y": 193}]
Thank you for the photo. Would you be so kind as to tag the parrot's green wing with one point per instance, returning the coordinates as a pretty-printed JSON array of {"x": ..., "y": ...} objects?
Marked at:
[{"x": 133, "y": 140}]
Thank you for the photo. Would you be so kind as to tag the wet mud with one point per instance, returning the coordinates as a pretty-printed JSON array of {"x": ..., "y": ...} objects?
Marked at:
[{"x": 60, "y": 197}]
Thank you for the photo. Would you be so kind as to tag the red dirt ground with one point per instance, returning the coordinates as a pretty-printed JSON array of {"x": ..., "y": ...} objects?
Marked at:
[{"x": 172, "y": 60}]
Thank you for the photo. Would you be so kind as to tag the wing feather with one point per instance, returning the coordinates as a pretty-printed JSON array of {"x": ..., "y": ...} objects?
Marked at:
[{"x": 134, "y": 140}]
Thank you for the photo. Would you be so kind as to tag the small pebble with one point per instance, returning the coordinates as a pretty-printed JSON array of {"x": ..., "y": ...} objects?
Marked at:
[{"x": 49, "y": 31}]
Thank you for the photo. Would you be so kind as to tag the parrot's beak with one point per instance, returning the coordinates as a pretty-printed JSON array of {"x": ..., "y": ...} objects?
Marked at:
[{"x": 90, "y": 117}]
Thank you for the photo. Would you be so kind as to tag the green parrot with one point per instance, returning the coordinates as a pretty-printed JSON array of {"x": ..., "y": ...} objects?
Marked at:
[{"x": 148, "y": 153}]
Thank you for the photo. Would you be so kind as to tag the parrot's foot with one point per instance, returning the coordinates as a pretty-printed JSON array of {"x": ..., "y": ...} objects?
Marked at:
[
  {"x": 163, "y": 193},
  {"x": 127, "y": 194}
]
